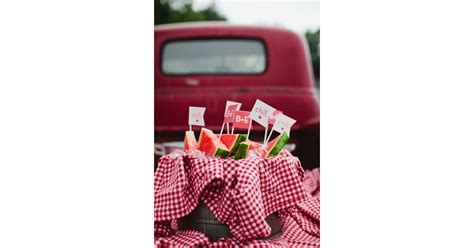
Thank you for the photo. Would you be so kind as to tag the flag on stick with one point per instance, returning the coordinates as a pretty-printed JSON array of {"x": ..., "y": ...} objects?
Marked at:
[
  {"x": 196, "y": 117},
  {"x": 260, "y": 113}
]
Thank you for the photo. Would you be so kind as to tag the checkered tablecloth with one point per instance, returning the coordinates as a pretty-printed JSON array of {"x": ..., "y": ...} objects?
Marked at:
[
  {"x": 240, "y": 193},
  {"x": 311, "y": 182}
]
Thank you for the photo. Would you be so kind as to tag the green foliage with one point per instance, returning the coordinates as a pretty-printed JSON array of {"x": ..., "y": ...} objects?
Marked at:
[
  {"x": 165, "y": 12},
  {"x": 313, "y": 42},
  {"x": 211, "y": 13}
]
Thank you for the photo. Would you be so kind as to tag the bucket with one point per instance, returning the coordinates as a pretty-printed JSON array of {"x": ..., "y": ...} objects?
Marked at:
[{"x": 202, "y": 219}]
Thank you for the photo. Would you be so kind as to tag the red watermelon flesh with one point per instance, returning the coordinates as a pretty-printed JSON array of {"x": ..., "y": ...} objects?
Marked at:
[
  {"x": 254, "y": 145},
  {"x": 275, "y": 146},
  {"x": 210, "y": 144},
  {"x": 232, "y": 141},
  {"x": 190, "y": 144}
]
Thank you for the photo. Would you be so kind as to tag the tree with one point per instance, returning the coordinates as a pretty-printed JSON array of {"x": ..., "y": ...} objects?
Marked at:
[
  {"x": 165, "y": 12},
  {"x": 313, "y": 42},
  {"x": 211, "y": 13}
]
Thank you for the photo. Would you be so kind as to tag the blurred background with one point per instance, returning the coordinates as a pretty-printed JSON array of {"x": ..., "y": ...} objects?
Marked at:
[
  {"x": 191, "y": 71},
  {"x": 300, "y": 16}
]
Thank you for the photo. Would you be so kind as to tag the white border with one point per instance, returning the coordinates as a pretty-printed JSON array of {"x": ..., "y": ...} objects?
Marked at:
[
  {"x": 76, "y": 124},
  {"x": 397, "y": 124}
]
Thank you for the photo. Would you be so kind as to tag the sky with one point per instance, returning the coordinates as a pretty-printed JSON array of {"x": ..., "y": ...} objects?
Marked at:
[{"x": 297, "y": 15}]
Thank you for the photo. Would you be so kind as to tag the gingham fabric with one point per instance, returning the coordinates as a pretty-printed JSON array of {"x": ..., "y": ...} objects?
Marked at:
[
  {"x": 240, "y": 193},
  {"x": 293, "y": 234},
  {"x": 311, "y": 182}
]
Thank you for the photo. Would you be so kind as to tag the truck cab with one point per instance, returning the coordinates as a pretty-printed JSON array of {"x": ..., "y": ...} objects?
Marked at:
[{"x": 206, "y": 64}]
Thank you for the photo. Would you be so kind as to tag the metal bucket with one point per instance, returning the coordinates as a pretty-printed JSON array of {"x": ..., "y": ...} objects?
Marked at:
[
  {"x": 168, "y": 147},
  {"x": 202, "y": 219}
]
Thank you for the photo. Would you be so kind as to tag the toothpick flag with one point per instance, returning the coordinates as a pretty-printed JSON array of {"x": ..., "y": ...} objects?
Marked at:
[
  {"x": 282, "y": 124},
  {"x": 230, "y": 108},
  {"x": 260, "y": 113},
  {"x": 196, "y": 116},
  {"x": 241, "y": 119},
  {"x": 271, "y": 120}
]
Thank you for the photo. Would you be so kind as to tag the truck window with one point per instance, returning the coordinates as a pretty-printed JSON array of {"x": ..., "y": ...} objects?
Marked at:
[{"x": 213, "y": 56}]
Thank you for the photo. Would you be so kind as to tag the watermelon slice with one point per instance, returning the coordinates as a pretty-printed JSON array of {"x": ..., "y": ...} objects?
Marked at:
[
  {"x": 242, "y": 150},
  {"x": 275, "y": 146},
  {"x": 254, "y": 145},
  {"x": 210, "y": 144},
  {"x": 190, "y": 144},
  {"x": 232, "y": 141}
]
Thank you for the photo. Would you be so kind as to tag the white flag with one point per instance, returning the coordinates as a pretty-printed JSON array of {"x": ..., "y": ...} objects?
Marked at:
[
  {"x": 283, "y": 123},
  {"x": 196, "y": 116},
  {"x": 261, "y": 112}
]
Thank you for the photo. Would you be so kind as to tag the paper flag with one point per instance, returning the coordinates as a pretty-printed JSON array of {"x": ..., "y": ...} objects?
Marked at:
[
  {"x": 271, "y": 120},
  {"x": 196, "y": 116},
  {"x": 229, "y": 110},
  {"x": 261, "y": 112},
  {"x": 230, "y": 107},
  {"x": 283, "y": 123},
  {"x": 241, "y": 119}
]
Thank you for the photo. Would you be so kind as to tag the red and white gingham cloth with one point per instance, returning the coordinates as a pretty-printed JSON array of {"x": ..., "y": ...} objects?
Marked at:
[
  {"x": 311, "y": 182},
  {"x": 240, "y": 193}
]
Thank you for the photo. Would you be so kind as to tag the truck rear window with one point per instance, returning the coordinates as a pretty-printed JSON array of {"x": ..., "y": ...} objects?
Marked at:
[{"x": 213, "y": 56}]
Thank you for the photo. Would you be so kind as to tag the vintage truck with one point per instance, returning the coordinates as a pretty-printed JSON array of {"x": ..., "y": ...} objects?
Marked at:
[{"x": 207, "y": 63}]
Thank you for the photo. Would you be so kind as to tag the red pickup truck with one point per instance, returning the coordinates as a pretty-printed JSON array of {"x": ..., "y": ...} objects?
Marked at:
[{"x": 206, "y": 64}]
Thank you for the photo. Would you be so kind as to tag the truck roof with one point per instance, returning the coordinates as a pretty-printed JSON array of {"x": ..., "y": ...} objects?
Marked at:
[
  {"x": 218, "y": 25},
  {"x": 289, "y": 62}
]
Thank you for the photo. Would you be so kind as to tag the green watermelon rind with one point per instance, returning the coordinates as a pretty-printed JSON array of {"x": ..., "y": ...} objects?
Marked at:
[
  {"x": 240, "y": 139},
  {"x": 276, "y": 149},
  {"x": 221, "y": 152},
  {"x": 237, "y": 138},
  {"x": 242, "y": 151}
]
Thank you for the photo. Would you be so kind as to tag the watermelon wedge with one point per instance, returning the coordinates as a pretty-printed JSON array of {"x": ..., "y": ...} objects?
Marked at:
[
  {"x": 275, "y": 146},
  {"x": 232, "y": 141},
  {"x": 210, "y": 144},
  {"x": 190, "y": 144},
  {"x": 242, "y": 150},
  {"x": 254, "y": 145}
]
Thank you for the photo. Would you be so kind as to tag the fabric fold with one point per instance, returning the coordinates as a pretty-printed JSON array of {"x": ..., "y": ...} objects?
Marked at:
[{"x": 240, "y": 194}]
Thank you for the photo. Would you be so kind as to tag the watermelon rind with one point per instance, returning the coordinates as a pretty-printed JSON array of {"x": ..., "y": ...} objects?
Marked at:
[
  {"x": 235, "y": 144},
  {"x": 221, "y": 152},
  {"x": 278, "y": 146},
  {"x": 212, "y": 141},
  {"x": 242, "y": 151},
  {"x": 240, "y": 138}
]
